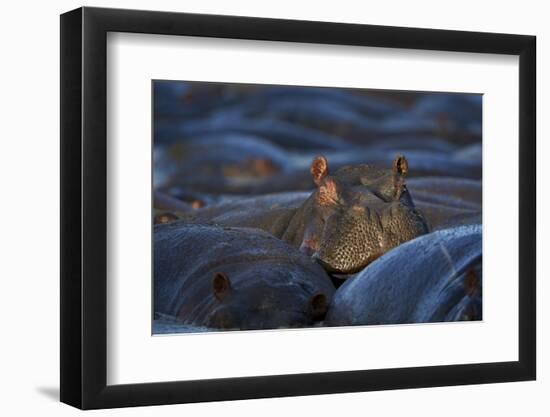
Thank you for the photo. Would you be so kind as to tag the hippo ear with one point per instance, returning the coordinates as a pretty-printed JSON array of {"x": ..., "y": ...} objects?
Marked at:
[
  {"x": 319, "y": 306},
  {"x": 165, "y": 217},
  {"x": 400, "y": 168},
  {"x": 471, "y": 283},
  {"x": 221, "y": 285},
  {"x": 319, "y": 169}
]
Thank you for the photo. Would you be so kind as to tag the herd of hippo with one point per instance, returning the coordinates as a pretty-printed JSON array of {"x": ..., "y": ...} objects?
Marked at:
[{"x": 284, "y": 207}]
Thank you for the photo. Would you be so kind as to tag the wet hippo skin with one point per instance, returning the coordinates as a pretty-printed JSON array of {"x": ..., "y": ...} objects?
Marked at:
[
  {"x": 235, "y": 278},
  {"x": 402, "y": 287}
]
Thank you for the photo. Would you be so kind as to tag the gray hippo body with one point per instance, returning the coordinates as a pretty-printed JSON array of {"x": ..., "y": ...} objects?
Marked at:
[
  {"x": 443, "y": 216},
  {"x": 218, "y": 164},
  {"x": 456, "y": 192},
  {"x": 434, "y": 278},
  {"x": 443, "y": 201},
  {"x": 447, "y": 202},
  {"x": 240, "y": 164},
  {"x": 235, "y": 278},
  {"x": 350, "y": 219}
]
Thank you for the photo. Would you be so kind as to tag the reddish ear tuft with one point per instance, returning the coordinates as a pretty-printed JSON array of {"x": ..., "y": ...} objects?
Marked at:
[
  {"x": 319, "y": 306},
  {"x": 319, "y": 169},
  {"x": 221, "y": 285},
  {"x": 400, "y": 166}
]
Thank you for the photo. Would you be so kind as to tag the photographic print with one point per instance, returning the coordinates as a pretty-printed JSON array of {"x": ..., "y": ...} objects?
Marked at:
[
  {"x": 278, "y": 207},
  {"x": 323, "y": 189}
]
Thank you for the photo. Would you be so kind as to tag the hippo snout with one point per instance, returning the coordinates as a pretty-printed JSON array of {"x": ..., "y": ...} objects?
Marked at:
[{"x": 339, "y": 264}]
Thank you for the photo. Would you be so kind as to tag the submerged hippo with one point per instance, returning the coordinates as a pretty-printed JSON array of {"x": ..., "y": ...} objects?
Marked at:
[
  {"x": 455, "y": 192},
  {"x": 214, "y": 164},
  {"x": 434, "y": 278},
  {"x": 235, "y": 278},
  {"x": 352, "y": 218},
  {"x": 443, "y": 216}
]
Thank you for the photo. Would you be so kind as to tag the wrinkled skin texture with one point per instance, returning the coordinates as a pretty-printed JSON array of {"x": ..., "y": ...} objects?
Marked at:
[
  {"x": 352, "y": 217},
  {"x": 235, "y": 278},
  {"x": 403, "y": 287}
]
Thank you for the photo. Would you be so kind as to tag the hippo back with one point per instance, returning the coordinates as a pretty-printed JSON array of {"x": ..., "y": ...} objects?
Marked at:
[
  {"x": 269, "y": 284},
  {"x": 436, "y": 277}
]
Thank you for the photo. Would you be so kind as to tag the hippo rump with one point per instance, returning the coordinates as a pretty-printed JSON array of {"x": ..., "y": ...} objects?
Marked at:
[
  {"x": 350, "y": 219},
  {"x": 434, "y": 278},
  {"x": 235, "y": 278}
]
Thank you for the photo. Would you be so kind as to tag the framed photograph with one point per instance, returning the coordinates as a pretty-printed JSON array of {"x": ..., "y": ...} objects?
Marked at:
[{"x": 257, "y": 208}]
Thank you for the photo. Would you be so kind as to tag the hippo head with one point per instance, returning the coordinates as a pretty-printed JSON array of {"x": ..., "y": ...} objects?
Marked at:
[
  {"x": 357, "y": 214},
  {"x": 254, "y": 307}
]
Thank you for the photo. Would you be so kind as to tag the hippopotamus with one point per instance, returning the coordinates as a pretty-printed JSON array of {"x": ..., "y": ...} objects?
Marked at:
[
  {"x": 260, "y": 175},
  {"x": 442, "y": 216},
  {"x": 423, "y": 162},
  {"x": 456, "y": 113},
  {"x": 235, "y": 278},
  {"x": 321, "y": 113},
  {"x": 218, "y": 163},
  {"x": 186, "y": 100},
  {"x": 279, "y": 132},
  {"x": 434, "y": 278},
  {"x": 447, "y": 202},
  {"x": 163, "y": 201},
  {"x": 455, "y": 192},
  {"x": 358, "y": 100},
  {"x": 349, "y": 220},
  {"x": 167, "y": 208}
]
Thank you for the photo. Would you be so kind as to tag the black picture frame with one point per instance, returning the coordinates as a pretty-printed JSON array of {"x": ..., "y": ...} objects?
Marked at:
[{"x": 84, "y": 207}]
